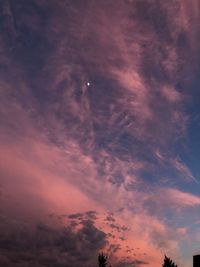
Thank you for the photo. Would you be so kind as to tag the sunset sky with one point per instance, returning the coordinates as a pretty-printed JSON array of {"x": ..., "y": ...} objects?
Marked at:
[{"x": 99, "y": 132}]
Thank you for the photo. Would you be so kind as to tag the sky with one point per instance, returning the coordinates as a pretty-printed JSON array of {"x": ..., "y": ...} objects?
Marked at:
[{"x": 99, "y": 133}]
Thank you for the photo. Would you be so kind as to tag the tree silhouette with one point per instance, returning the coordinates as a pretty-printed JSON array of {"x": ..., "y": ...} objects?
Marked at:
[
  {"x": 168, "y": 262},
  {"x": 102, "y": 259}
]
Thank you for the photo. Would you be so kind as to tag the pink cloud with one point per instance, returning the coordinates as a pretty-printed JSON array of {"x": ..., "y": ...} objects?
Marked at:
[
  {"x": 183, "y": 170},
  {"x": 40, "y": 176},
  {"x": 182, "y": 199}
]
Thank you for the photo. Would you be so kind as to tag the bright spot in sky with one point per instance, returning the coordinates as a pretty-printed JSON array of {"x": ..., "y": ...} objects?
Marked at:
[{"x": 88, "y": 83}]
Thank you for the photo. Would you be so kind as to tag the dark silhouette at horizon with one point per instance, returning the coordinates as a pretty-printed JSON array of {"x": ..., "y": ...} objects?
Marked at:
[
  {"x": 168, "y": 262},
  {"x": 196, "y": 261},
  {"x": 103, "y": 261}
]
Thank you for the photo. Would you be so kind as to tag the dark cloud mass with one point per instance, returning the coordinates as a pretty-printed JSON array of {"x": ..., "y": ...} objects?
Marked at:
[
  {"x": 70, "y": 242},
  {"x": 96, "y": 124},
  {"x": 49, "y": 246}
]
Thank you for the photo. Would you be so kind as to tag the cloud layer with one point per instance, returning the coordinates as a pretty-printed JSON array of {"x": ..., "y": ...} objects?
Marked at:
[{"x": 94, "y": 117}]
